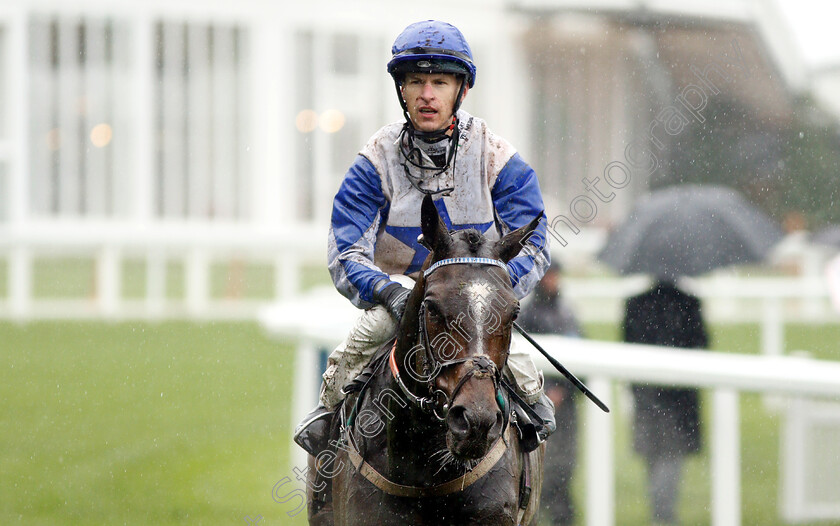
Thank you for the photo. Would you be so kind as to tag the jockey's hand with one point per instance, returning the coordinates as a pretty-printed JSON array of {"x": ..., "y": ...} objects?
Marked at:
[{"x": 393, "y": 297}]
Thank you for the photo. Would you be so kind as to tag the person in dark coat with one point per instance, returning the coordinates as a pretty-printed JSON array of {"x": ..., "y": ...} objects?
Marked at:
[
  {"x": 547, "y": 313},
  {"x": 666, "y": 426}
]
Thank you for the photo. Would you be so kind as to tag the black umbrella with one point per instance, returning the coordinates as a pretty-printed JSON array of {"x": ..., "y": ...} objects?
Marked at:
[{"x": 688, "y": 230}]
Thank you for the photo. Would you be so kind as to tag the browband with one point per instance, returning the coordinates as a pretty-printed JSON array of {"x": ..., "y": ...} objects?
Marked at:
[{"x": 459, "y": 261}]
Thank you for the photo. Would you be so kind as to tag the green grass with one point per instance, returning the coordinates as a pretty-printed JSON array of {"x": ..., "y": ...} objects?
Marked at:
[
  {"x": 172, "y": 423},
  {"x": 187, "y": 423},
  {"x": 63, "y": 277}
]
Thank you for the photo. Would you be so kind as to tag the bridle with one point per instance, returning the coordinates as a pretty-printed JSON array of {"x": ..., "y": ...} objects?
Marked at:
[
  {"x": 479, "y": 366},
  {"x": 438, "y": 404}
]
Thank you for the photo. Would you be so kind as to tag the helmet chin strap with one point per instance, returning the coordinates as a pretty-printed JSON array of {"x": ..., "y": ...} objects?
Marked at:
[{"x": 409, "y": 134}]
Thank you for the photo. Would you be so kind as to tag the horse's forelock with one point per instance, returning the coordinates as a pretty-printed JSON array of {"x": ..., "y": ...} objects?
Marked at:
[{"x": 473, "y": 240}]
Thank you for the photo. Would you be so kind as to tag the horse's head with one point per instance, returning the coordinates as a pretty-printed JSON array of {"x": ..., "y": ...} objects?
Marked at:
[{"x": 466, "y": 307}]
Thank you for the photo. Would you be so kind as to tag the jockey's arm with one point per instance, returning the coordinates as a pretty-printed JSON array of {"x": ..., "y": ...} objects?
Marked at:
[
  {"x": 517, "y": 200},
  {"x": 356, "y": 218}
]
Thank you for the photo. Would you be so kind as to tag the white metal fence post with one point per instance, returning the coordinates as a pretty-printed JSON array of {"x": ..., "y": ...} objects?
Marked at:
[
  {"x": 726, "y": 458},
  {"x": 287, "y": 275},
  {"x": 600, "y": 458},
  {"x": 792, "y": 486},
  {"x": 198, "y": 282},
  {"x": 20, "y": 282},
  {"x": 108, "y": 280},
  {"x": 772, "y": 327}
]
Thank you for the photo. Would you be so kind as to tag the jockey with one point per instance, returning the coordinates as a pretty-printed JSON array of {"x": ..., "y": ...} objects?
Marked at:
[{"x": 478, "y": 181}]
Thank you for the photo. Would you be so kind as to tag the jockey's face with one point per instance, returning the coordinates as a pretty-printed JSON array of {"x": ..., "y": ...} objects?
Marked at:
[{"x": 430, "y": 98}]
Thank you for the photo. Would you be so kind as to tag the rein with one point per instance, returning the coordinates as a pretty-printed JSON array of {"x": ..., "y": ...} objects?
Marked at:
[
  {"x": 438, "y": 404},
  {"x": 480, "y": 365}
]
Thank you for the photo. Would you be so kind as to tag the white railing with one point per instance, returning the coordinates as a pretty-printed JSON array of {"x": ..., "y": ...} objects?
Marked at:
[
  {"x": 770, "y": 302},
  {"x": 801, "y": 298},
  {"x": 726, "y": 375},
  {"x": 322, "y": 318},
  {"x": 197, "y": 244},
  {"x": 288, "y": 247}
]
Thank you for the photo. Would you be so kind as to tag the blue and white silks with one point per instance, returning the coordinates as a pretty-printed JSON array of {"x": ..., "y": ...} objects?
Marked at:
[{"x": 376, "y": 212}]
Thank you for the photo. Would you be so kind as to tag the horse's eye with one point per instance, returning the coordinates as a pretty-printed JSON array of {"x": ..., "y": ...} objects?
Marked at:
[
  {"x": 433, "y": 309},
  {"x": 515, "y": 313}
]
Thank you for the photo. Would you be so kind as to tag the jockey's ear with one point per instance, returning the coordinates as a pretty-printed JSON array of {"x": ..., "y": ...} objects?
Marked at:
[
  {"x": 435, "y": 235},
  {"x": 509, "y": 246}
]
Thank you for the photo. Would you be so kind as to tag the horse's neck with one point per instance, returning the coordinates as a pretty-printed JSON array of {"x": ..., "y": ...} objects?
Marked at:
[
  {"x": 406, "y": 449},
  {"x": 405, "y": 420},
  {"x": 409, "y": 438}
]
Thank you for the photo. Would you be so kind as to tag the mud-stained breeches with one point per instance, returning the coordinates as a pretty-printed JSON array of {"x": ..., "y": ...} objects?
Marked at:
[{"x": 375, "y": 327}]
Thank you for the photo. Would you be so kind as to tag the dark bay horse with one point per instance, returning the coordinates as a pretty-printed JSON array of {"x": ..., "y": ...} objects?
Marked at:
[{"x": 428, "y": 438}]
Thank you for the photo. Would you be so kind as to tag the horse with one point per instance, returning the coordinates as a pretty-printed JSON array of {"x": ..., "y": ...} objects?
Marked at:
[{"x": 427, "y": 438}]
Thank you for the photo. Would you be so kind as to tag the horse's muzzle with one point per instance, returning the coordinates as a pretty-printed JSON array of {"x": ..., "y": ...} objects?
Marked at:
[{"x": 472, "y": 431}]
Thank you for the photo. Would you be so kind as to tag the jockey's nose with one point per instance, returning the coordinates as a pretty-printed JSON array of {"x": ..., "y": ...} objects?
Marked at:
[{"x": 428, "y": 92}]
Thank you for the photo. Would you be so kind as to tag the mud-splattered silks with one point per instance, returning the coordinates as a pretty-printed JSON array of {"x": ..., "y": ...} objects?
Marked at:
[{"x": 375, "y": 220}]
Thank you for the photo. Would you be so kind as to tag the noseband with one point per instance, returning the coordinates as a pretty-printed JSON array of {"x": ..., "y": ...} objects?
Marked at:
[{"x": 479, "y": 366}]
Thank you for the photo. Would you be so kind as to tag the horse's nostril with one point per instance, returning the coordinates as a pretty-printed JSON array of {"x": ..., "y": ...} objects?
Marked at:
[
  {"x": 496, "y": 429},
  {"x": 457, "y": 420}
]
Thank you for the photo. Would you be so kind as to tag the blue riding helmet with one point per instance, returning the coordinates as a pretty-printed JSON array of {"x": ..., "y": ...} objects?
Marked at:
[{"x": 431, "y": 47}]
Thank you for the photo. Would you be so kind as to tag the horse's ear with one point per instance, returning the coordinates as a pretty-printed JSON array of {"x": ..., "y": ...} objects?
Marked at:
[
  {"x": 435, "y": 235},
  {"x": 509, "y": 246}
]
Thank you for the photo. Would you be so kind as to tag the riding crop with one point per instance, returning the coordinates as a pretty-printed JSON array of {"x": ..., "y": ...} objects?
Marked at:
[{"x": 565, "y": 372}]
